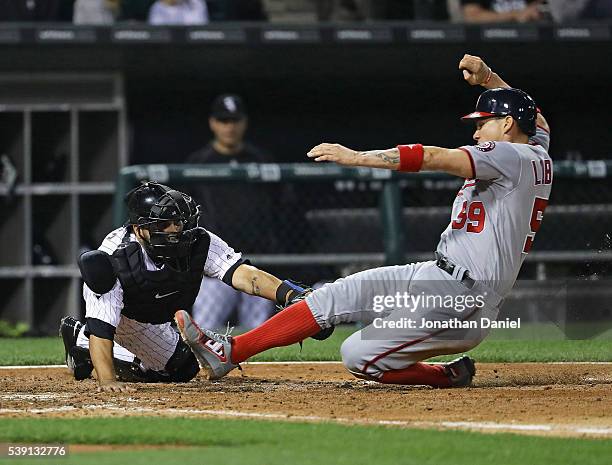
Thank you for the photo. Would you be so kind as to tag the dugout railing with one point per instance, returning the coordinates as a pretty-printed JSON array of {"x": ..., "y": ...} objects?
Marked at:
[{"x": 386, "y": 212}]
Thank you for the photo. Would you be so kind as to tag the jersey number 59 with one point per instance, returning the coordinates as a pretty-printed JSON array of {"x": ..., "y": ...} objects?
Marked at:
[
  {"x": 537, "y": 213},
  {"x": 474, "y": 216}
]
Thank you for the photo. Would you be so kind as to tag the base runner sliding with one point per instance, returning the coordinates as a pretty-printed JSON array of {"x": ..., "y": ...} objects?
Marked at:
[{"x": 494, "y": 220}]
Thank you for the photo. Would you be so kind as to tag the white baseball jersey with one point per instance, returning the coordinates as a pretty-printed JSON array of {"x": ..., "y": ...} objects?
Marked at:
[
  {"x": 496, "y": 216},
  {"x": 107, "y": 307}
]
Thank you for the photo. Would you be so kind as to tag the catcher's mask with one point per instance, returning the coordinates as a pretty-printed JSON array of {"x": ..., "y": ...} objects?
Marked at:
[{"x": 156, "y": 207}]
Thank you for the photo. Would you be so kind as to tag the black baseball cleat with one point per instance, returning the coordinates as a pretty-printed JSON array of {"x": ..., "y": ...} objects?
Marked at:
[
  {"x": 132, "y": 372},
  {"x": 69, "y": 332},
  {"x": 77, "y": 358},
  {"x": 460, "y": 371}
]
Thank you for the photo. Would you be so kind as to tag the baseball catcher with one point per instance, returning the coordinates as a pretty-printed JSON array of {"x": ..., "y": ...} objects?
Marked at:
[{"x": 134, "y": 283}]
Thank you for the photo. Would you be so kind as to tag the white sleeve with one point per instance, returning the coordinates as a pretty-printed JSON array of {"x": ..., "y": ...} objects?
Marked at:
[
  {"x": 106, "y": 307},
  {"x": 221, "y": 257},
  {"x": 494, "y": 160}
]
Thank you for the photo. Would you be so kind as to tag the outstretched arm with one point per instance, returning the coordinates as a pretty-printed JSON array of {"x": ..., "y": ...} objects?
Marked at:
[
  {"x": 254, "y": 281},
  {"x": 477, "y": 73},
  {"x": 402, "y": 158},
  {"x": 225, "y": 264}
]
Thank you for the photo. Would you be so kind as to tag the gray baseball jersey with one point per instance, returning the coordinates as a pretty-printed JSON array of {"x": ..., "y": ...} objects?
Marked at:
[{"x": 496, "y": 216}]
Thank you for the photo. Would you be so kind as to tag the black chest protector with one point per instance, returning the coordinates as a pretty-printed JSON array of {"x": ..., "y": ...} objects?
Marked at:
[{"x": 154, "y": 296}]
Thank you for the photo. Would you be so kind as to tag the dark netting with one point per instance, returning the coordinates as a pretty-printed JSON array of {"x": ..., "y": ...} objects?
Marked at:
[
  {"x": 330, "y": 228},
  {"x": 293, "y": 218}
]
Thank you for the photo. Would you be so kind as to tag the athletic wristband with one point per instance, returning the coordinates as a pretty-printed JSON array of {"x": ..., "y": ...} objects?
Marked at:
[
  {"x": 411, "y": 157},
  {"x": 229, "y": 274},
  {"x": 284, "y": 289},
  {"x": 99, "y": 328}
]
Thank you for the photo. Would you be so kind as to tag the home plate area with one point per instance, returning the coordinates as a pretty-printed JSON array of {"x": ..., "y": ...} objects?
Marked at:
[{"x": 569, "y": 399}]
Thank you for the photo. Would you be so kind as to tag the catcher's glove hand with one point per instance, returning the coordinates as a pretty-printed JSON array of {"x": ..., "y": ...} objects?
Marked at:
[{"x": 296, "y": 293}]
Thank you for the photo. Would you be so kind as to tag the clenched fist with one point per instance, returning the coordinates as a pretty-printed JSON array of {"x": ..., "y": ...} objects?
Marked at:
[{"x": 475, "y": 71}]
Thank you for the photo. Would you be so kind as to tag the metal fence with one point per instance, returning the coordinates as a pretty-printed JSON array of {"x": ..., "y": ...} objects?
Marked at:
[{"x": 332, "y": 220}]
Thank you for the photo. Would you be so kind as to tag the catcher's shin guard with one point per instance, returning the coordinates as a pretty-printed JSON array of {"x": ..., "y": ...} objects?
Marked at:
[
  {"x": 77, "y": 358},
  {"x": 133, "y": 372},
  {"x": 180, "y": 368},
  {"x": 183, "y": 365},
  {"x": 79, "y": 361}
]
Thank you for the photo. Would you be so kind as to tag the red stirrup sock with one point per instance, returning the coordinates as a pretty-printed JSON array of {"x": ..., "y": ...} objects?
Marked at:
[
  {"x": 292, "y": 325},
  {"x": 419, "y": 373}
]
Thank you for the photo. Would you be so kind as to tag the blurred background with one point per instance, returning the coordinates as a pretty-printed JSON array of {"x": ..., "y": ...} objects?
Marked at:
[{"x": 219, "y": 97}]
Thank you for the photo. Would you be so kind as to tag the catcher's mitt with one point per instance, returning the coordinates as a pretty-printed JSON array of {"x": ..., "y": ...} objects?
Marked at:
[{"x": 296, "y": 292}]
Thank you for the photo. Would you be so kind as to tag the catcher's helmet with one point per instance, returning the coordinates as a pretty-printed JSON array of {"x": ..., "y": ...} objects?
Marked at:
[
  {"x": 154, "y": 207},
  {"x": 507, "y": 102}
]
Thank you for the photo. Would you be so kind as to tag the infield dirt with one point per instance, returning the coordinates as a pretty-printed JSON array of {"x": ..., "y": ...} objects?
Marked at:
[{"x": 570, "y": 398}]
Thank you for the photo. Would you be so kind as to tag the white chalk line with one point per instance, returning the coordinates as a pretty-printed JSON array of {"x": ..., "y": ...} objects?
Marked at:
[
  {"x": 469, "y": 425},
  {"x": 41, "y": 396},
  {"x": 316, "y": 362}
]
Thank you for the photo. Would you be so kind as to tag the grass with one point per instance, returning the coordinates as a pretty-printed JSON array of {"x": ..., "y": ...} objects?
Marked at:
[
  {"x": 548, "y": 347},
  {"x": 265, "y": 442},
  {"x": 31, "y": 351}
]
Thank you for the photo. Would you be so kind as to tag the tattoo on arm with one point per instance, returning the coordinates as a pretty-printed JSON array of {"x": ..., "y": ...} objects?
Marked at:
[
  {"x": 254, "y": 286},
  {"x": 385, "y": 155}
]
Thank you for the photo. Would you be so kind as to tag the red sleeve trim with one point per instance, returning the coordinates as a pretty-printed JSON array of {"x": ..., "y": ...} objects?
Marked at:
[
  {"x": 411, "y": 157},
  {"x": 471, "y": 162},
  {"x": 543, "y": 129}
]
